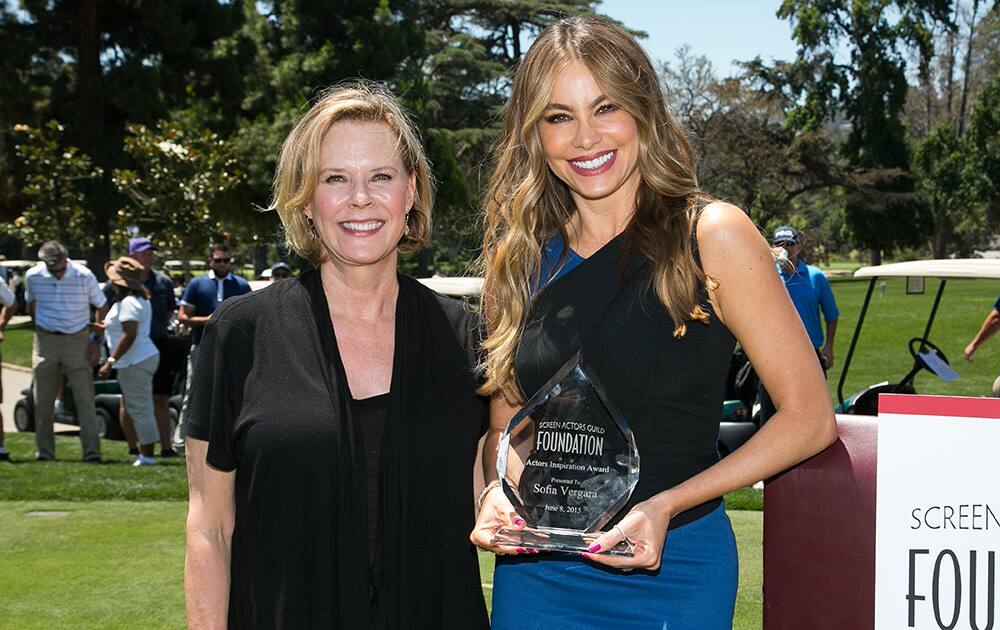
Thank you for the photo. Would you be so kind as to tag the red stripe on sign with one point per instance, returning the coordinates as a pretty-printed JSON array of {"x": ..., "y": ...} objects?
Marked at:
[{"x": 960, "y": 406}]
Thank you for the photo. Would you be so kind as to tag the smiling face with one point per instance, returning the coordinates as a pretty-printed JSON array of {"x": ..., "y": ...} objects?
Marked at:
[
  {"x": 364, "y": 192},
  {"x": 590, "y": 142}
]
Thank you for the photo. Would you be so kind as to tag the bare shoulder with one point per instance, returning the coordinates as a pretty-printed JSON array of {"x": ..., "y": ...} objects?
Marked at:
[{"x": 723, "y": 226}]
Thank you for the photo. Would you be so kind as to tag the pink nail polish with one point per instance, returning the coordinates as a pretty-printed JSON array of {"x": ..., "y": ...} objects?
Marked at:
[
  {"x": 594, "y": 548},
  {"x": 520, "y": 550},
  {"x": 533, "y": 550},
  {"x": 519, "y": 522}
]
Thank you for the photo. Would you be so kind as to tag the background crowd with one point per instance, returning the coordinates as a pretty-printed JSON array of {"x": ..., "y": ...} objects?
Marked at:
[{"x": 129, "y": 333}]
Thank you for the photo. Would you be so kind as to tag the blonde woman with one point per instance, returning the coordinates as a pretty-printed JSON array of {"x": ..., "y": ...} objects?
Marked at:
[
  {"x": 599, "y": 240},
  {"x": 334, "y": 420}
]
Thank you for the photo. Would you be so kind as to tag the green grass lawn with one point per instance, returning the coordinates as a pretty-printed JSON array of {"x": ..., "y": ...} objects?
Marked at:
[
  {"x": 119, "y": 564},
  {"x": 113, "y": 564},
  {"x": 69, "y": 479},
  {"x": 16, "y": 347},
  {"x": 842, "y": 265},
  {"x": 115, "y": 559}
]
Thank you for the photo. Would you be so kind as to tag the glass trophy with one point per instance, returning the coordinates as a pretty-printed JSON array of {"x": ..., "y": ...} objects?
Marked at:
[{"x": 568, "y": 463}]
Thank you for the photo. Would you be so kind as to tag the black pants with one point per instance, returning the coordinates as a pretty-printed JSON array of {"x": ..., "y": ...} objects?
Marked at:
[{"x": 767, "y": 408}]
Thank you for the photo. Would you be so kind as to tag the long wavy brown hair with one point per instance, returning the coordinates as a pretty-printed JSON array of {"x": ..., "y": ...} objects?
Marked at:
[{"x": 526, "y": 204}]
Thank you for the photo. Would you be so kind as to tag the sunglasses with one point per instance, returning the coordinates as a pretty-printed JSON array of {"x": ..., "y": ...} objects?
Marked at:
[{"x": 221, "y": 261}]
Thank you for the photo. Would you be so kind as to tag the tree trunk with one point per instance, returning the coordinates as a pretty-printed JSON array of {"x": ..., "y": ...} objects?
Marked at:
[
  {"x": 950, "y": 80},
  {"x": 875, "y": 256},
  {"x": 939, "y": 241},
  {"x": 968, "y": 67},
  {"x": 515, "y": 40},
  {"x": 259, "y": 259},
  {"x": 90, "y": 124}
]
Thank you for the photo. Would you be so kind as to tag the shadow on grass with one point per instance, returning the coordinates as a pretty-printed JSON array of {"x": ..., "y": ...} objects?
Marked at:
[{"x": 69, "y": 479}]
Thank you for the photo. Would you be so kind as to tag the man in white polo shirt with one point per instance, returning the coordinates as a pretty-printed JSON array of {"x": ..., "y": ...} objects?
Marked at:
[{"x": 59, "y": 294}]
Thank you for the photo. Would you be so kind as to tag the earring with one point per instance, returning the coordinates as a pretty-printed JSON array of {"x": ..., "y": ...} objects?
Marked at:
[
  {"x": 312, "y": 226},
  {"x": 406, "y": 221}
]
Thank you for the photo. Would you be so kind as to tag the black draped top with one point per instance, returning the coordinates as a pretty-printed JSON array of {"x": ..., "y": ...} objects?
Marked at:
[
  {"x": 669, "y": 390},
  {"x": 271, "y": 398}
]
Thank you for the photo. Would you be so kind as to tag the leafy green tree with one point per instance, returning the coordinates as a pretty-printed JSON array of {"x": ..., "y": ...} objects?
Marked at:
[
  {"x": 748, "y": 156},
  {"x": 102, "y": 65},
  {"x": 955, "y": 187},
  {"x": 180, "y": 177},
  {"x": 55, "y": 181},
  {"x": 948, "y": 165},
  {"x": 883, "y": 210},
  {"x": 456, "y": 87},
  {"x": 984, "y": 141}
]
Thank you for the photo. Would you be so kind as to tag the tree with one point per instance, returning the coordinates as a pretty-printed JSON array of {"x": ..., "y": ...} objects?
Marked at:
[
  {"x": 456, "y": 88},
  {"x": 106, "y": 64},
  {"x": 954, "y": 187},
  {"x": 748, "y": 155},
  {"x": 179, "y": 180},
  {"x": 948, "y": 164},
  {"x": 883, "y": 210},
  {"x": 55, "y": 187},
  {"x": 984, "y": 140}
]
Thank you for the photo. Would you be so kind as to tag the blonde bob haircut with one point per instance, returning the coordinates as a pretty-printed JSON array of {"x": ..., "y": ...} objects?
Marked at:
[
  {"x": 297, "y": 173},
  {"x": 526, "y": 204}
]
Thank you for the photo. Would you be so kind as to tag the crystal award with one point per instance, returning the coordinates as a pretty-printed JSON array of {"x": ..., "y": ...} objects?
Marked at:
[{"x": 568, "y": 463}]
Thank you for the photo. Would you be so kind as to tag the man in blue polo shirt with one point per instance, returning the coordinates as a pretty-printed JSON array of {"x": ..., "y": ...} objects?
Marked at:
[
  {"x": 810, "y": 292},
  {"x": 201, "y": 297}
]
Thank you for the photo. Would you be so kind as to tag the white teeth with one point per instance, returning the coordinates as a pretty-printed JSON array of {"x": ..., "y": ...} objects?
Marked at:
[
  {"x": 596, "y": 162},
  {"x": 363, "y": 227}
]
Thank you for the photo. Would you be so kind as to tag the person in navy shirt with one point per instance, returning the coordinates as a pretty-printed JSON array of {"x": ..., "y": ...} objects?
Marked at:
[
  {"x": 201, "y": 297},
  {"x": 810, "y": 292}
]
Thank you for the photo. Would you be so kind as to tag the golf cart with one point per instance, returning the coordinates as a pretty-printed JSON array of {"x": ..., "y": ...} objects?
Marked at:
[
  {"x": 107, "y": 399},
  {"x": 926, "y": 355}
]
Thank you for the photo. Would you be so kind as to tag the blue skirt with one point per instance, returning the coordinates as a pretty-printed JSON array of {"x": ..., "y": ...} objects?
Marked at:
[{"x": 694, "y": 588}]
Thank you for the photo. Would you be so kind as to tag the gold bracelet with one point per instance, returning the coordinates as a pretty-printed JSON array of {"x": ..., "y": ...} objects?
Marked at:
[{"x": 482, "y": 495}]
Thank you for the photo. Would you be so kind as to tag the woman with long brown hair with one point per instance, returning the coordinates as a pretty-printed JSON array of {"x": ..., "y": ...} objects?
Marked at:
[{"x": 600, "y": 241}]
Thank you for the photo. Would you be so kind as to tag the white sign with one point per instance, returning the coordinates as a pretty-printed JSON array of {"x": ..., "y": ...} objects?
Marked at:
[{"x": 937, "y": 513}]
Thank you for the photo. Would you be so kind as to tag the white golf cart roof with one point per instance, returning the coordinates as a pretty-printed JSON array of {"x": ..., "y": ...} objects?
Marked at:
[
  {"x": 19, "y": 264},
  {"x": 940, "y": 268},
  {"x": 455, "y": 287}
]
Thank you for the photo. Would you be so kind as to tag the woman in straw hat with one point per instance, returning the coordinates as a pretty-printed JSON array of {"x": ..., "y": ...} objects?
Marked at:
[{"x": 131, "y": 352}]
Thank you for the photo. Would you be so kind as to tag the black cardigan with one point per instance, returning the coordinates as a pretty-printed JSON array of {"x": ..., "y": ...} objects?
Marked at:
[{"x": 270, "y": 396}]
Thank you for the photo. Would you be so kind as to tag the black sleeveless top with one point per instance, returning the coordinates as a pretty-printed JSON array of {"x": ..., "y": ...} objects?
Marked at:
[{"x": 670, "y": 390}]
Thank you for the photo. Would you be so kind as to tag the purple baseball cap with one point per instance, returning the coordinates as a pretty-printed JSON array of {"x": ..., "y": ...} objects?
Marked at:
[{"x": 140, "y": 244}]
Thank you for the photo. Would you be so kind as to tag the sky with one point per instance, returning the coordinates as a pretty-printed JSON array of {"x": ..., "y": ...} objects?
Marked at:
[{"x": 722, "y": 30}]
